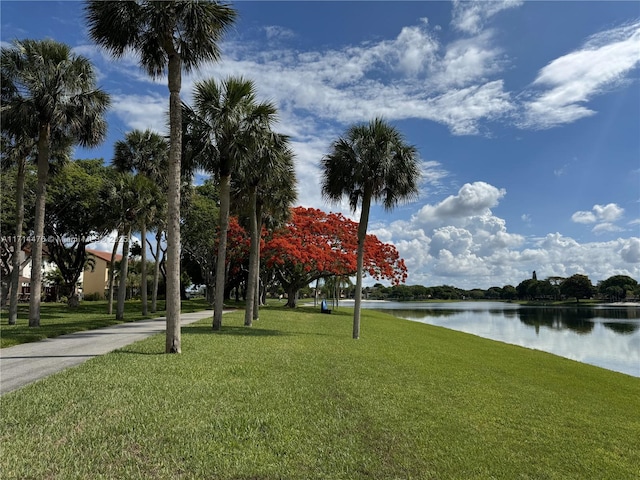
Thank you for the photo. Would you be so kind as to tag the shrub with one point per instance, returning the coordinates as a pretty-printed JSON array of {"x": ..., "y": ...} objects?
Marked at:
[{"x": 93, "y": 297}]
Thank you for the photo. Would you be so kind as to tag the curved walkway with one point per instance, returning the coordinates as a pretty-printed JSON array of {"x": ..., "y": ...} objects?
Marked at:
[{"x": 24, "y": 364}]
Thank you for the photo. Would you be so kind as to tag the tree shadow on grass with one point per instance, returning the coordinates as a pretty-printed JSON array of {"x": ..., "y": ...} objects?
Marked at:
[
  {"x": 130, "y": 350},
  {"x": 205, "y": 329}
]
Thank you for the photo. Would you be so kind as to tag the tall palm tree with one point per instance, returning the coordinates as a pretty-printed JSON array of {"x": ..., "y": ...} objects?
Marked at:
[
  {"x": 169, "y": 37},
  {"x": 144, "y": 153},
  {"x": 221, "y": 133},
  {"x": 58, "y": 88},
  {"x": 371, "y": 162},
  {"x": 136, "y": 193},
  {"x": 268, "y": 174}
]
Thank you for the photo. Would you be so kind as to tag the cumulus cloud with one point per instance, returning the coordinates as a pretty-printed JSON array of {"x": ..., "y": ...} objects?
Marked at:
[
  {"x": 564, "y": 86},
  {"x": 583, "y": 217},
  {"x": 472, "y": 199},
  {"x": 630, "y": 250},
  {"x": 603, "y": 215},
  {"x": 460, "y": 241},
  {"x": 608, "y": 213}
]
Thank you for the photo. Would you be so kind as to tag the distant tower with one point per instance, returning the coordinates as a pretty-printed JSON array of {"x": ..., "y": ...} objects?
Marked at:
[{"x": 535, "y": 277}]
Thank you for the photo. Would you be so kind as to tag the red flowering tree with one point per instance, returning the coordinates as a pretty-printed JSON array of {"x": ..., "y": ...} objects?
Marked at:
[
  {"x": 237, "y": 258},
  {"x": 315, "y": 244}
]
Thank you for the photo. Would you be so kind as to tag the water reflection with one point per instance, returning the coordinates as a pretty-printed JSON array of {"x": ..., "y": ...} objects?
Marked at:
[{"x": 608, "y": 337}]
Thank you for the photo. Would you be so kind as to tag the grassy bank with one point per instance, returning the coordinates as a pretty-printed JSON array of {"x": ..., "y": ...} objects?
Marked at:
[
  {"x": 294, "y": 397},
  {"x": 58, "y": 319}
]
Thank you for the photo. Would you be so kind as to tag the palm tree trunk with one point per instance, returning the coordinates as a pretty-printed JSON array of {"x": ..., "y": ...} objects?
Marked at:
[
  {"x": 362, "y": 235},
  {"x": 173, "y": 340},
  {"x": 17, "y": 243},
  {"x": 253, "y": 264},
  {"x": 112, "y": 273},
  {"x": 156, "y": 273},
  {"x": 143, "y": 272},
  {"x": 122, "y": 284},
  {"x": 225, "y": 187},
  {"x": 258, "y": 294},
  {"x": 36, "y": 247},
  {"x": 256, "y": 297}
]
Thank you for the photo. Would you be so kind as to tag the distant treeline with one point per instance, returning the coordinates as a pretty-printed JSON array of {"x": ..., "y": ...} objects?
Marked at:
[{"x": 614, "y": 289}]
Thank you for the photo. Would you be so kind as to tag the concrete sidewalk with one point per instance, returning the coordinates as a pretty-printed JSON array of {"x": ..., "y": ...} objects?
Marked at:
[{"x": 28, "y": 362}]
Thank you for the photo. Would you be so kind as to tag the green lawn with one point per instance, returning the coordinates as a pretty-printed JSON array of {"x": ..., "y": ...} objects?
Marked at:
[
  {"x": 294, "y": 397},
  {"x": 58, "y": 319}
]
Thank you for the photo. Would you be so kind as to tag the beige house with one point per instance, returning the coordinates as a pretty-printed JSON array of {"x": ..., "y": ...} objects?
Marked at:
[{"x": 97, "y": 281}]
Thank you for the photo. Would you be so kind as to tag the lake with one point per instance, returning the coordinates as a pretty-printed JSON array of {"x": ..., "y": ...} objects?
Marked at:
[{"x": 605, "y": 336}]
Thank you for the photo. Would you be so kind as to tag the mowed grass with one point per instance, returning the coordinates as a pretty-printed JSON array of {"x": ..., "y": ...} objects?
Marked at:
[
  {"x": 58, "y": 319},
  {"x": 294, "y": 397}
]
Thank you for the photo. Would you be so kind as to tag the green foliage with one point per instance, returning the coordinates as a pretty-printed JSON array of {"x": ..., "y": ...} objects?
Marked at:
[
  {"x": 199, "y": 231},
  {"x": 8, "y": 199},
  {"x": 154, "y": 29},
  {"x": 296, "y": 398},
  {"x": 617, "y": 287},
  {"x": 533, "y": 289},
  {"x": 577, "y": 286},
  {"x": 93, "y": 297},
  {"x": 75, "y": 217},
  {"x": 73, "y": 204}
]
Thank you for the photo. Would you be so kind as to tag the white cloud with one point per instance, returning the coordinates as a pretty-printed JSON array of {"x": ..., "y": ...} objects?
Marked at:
[
  {"x": 107, "y": 242},
  {"x": 413, "y": 51},
  {"x": 469, "y": 16},
  {"x": 472, "y": 199},
  {"x": 570, "y": 81},
  {"x": 275, "y": 32},
  {"x": 630, "y": 251},
  {"x": 603, "y": 215},
  {"x": 583, "y": 217},
  {"x": 467, "y": 61},
  {"x": 452, "y": 239},
  {"x": 142, "y": 111},
  {"x": 410, "y": 76},
  {"x": 606, "y": 227},
  {"x": 460, "y": 241},
  {"x": 462, "y": 109},
  {"x": 608, "y": 213}
]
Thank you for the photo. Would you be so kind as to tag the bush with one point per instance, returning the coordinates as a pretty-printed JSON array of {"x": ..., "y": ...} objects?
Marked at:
[{"x": 93, "y": 297}]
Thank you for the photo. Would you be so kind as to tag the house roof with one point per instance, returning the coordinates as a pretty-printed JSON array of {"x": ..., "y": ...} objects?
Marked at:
[{"x": 106, "y": 256}]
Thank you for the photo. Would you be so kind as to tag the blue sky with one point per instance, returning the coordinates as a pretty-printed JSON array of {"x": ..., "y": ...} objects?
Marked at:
[{"x": 526, "y": 116}]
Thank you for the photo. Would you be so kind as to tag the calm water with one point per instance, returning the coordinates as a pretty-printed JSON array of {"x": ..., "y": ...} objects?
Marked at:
[{"x": 608, "y": 337}]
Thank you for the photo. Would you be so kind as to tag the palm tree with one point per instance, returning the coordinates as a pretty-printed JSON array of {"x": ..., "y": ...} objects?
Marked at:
[
  {"x": 268, "y": 175},
  {"x": 136, "y": 193},
  {"x": 169, "y": 37},
  {"x": 144, "y": 153},
  {"x": 371, "y": 162},
  {"x": 58, "y": 88},
  {"x": 222, "y": 129}
]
